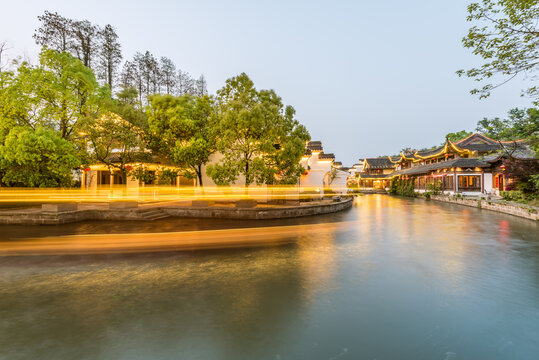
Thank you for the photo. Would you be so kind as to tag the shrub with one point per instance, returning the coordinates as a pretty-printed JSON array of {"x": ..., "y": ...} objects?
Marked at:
[{"x": 513, "y": 195}]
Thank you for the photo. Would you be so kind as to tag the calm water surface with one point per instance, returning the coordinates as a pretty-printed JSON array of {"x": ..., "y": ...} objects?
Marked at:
[{"x": 412, "y": 280}]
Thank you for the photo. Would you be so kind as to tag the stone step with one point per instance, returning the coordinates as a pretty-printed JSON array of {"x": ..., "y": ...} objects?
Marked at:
[{"x": 153, "y": 214}]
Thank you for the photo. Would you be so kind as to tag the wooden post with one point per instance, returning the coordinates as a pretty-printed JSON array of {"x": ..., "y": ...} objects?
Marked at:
[
  {"x": 111, "y": 177},
  {"x": 455, "y": 185},
  {"x": 83, "y": 180},
  {"x": 482, "y": 182}
]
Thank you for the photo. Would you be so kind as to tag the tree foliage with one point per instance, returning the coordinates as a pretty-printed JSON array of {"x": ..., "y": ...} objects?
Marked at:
[
  {"x": 57, "y": 94},
  {"x": 37, "y": 158},
  {"x": 507, "y": 38},
  {"x": 115, "y": 142},
  {"x": 459, "y": 135},
  {"x": 181, "y": 129},
  {"x": 258, "y": 137}
]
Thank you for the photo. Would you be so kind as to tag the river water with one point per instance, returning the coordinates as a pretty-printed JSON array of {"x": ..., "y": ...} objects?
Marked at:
[{"x": 411, "y": 279}]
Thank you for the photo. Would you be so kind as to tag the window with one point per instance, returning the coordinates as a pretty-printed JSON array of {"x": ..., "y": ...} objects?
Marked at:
[
  {"x": 469, "y": 183},
  {"x": 448, "y": 182}
]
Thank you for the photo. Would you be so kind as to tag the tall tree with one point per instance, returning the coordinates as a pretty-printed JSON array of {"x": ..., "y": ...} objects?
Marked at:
[
  {"x": 507, "y": 38},
  {"x": 85, "y": 41},
  {"x": 201, "y": 86},
  {"x": 55, "y": 32},
  {"x": 180, "y": 129},
  {"x": 193, "y": 150},
  {"x": 186, "y": 84},
  {"x": 258, "y": 137},
  {"x": 3, "y": 58},
  {"x": 131, "y": 77},
  {"x": 110, "y": 55},
  {"x": 168, "y": 75}
]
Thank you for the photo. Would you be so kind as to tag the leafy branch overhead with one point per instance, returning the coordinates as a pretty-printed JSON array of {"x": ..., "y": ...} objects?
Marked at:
[{"x": 506, "y": 36}]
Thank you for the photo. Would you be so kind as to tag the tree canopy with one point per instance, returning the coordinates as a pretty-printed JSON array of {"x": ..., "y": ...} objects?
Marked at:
[
  {"x": 37, "y": 158},
  {"x": 258, "y": 137},
  {"x": 506, "y": 36}
]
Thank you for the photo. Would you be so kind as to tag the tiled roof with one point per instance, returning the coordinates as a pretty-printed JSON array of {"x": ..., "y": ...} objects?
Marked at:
[
  {"x": 379, "y": 163},
  {"x": 315, "y": 145},
  {"x": 308, "y": 152},
  {"x": 329, "y": 156},
  {"x": 374, "y": 176},
  {"x": 426, "y": 153},
  {"x": 453, "y": 163}
]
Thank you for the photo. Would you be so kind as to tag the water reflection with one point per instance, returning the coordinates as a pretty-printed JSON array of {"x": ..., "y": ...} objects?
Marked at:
[{"x": 408, "y": 280}]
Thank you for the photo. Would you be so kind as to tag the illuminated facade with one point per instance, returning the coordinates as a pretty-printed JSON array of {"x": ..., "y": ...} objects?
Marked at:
[
  {"x": 471, "y": 166},
  {"x": 321, "y": 170}
]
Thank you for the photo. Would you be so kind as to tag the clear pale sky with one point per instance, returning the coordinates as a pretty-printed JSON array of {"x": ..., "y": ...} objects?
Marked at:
[{"x": 367, "y": 78}]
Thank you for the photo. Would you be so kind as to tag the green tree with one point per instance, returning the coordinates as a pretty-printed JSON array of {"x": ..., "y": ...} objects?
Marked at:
[
  {"x": 58, "y": 94},
  {"x": 257, "y": 136},
  {"x": 520, "y": 124},
  {"x": 37, "y": 158},
  {"x": 507, "y": 38},
  {"x": 181, "y": 130},
  {"x": 115, "y": 142},
  {"x": 459, "y": 135}
]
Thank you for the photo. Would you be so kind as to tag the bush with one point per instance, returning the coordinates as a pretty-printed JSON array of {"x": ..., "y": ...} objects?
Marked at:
[
  {"x": 435, "y": 187},
  {"x": 37, "y": 158},
  {"x": 514, "y": 195},
  {"x": 402, "y": 187}
]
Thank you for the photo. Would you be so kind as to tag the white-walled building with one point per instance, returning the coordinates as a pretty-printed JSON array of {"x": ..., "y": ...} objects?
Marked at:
[{"x": 321, "y": 172}]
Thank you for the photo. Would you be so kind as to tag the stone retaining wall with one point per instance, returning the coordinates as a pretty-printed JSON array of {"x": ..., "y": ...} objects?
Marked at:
[
  {"x": 259, "y": 213},
  {"x": 33, "y": 217},
  {"x": 517, "y": 210}
]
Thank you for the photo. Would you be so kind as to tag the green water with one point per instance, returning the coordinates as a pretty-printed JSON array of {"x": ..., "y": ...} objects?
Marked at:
[{"x": 413, "y": 280}]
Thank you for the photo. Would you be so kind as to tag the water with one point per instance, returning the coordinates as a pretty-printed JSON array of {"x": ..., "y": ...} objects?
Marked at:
[{"x": 411, "y": 280}]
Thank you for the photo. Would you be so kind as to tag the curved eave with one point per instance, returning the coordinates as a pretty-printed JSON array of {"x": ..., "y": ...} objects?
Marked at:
[{"x": 448, "y": 145}]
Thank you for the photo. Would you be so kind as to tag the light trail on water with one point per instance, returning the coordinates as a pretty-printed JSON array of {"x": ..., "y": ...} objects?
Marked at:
[{"x": 168, "y": 241}]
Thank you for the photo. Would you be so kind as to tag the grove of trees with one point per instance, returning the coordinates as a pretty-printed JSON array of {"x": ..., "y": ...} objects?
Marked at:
[{"x": 81, "y": 105}]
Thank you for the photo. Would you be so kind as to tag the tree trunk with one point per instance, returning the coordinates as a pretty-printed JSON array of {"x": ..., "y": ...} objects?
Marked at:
[{"x": 199, "y": 174}]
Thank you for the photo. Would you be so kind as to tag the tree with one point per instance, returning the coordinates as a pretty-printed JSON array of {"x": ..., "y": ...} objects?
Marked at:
[
  {"x": 85, "y": 41},
  {"x": 181, "y": 130},
  {"x": 55, "y": 32},
  {"x": 459, "y": 135},
  {"x": 115, "y": 142},
  {"x": 195, "y": 147},
  {"x": 507, "y": 38},
  {"x": 69, "y": 91},
  {"x": 3, "y": 49},
  {"x": 258, "y": 136},
  {"x": 110, "y": 55},
  {"x": 186, "y": 84},
  {"x": 201, "y": 86},
  {"x": 168, "y": 74},
  {"x": 37, "y": 158},
  {"x": 520, "y": 124}
]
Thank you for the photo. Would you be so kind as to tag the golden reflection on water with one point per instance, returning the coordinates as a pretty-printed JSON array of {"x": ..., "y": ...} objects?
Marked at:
[
  {"x": 166, "y": 241},
  {"x": 416, "y": 273}
]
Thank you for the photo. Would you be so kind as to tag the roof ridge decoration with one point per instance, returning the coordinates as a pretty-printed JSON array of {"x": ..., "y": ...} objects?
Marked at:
[
  {"x": 448, "y": 145},
  {"x": 477, "y": 134}
]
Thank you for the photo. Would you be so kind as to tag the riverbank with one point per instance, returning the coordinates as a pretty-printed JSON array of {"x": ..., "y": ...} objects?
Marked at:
[
  {"x": 55, "y": 214},
  {"x": 520, "y": 210}
]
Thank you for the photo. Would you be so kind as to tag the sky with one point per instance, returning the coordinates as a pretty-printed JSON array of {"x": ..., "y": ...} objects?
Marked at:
[{"x": 367, "y": 78}]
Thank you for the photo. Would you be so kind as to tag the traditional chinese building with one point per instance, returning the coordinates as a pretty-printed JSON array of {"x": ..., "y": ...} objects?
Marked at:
[
  {"x": 376, "y": 173},
  {"x": 321, "y": 170},
  {"x": 471, "y": 166}
]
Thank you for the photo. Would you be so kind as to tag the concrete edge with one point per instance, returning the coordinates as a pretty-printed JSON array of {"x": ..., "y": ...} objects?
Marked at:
[{"x": 66, "y": 217}]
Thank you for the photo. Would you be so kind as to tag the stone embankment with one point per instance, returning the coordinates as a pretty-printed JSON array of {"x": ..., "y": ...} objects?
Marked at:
[
  {"x": 521, "y": 210},
  {"x": 53, "y": 214}
]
